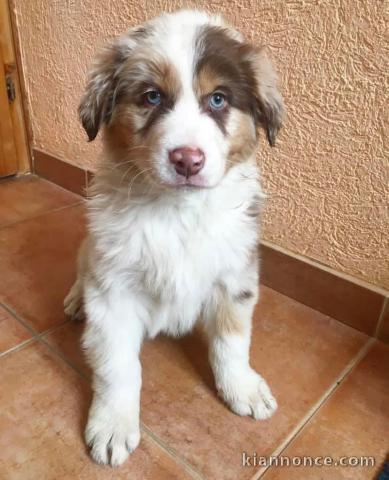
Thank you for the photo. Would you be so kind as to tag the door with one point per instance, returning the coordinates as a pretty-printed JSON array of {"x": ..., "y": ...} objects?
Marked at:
[{"x": 14, "y": 155}]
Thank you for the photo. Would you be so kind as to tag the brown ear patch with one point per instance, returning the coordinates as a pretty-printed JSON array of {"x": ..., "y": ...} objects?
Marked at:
[
  {"x": 270, "y": 107},
  {"x": 98, "y": 101}
]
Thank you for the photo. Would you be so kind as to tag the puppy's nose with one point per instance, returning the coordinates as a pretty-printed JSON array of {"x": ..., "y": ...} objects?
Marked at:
[{"x": 187, "y": 161}]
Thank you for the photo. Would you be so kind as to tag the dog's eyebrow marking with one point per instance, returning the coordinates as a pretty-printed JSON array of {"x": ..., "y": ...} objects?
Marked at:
[{"x": 142, "y": 73}]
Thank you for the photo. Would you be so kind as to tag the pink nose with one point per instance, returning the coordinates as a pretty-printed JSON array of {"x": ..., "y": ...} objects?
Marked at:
[{"x": 187, "y": 161}]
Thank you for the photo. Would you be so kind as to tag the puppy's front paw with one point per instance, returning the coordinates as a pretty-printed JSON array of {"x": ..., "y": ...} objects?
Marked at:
[
  {"x": 111, "y": 435},
  {"x": 73, "y": 303},
  {"x": 249, "y": 394}
]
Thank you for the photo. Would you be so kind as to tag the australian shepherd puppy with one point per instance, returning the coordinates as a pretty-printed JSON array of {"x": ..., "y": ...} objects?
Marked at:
[{"x": 173, "y": 231}]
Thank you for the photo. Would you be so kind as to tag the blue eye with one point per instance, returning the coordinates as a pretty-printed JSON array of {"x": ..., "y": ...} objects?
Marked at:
[
  {"x": 217, "y": 101},
  {"x": 153, "y": 97}
]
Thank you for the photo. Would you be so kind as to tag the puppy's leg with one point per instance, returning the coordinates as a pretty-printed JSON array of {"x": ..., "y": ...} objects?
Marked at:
[
  {"x": 73, "y": 303},
  {"x": 112, "y": 341},
  {"x": 228, "y": 325}
]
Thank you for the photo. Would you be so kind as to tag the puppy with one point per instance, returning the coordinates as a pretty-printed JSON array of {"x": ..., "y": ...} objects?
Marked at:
[{"x": 173, "y": 230}]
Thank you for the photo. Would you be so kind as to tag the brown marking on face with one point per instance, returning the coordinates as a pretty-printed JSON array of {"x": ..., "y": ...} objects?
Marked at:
[
  {"x": 206, "y": 83},
  {"x": 243, "y": 139},
  {"x": 121, "y": 73},
  {"x": 222, "y": 57},
  {"x": 214, "y": 76},
  {"x": 131, "y": 132},
  {"x": 97, "y": 103},
  {"x": 119, "y": 134},
  {"x": 143, "y": 73},
  {"x": 245, "y": 73}
]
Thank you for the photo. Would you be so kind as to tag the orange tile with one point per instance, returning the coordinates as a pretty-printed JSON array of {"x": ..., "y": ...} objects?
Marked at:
[
  {"x": 12, "y": 332},
  {"x": 299, "y": 351},
  {"x": 29, "y": 196},
  {"x": 37, "y": 264},
  {"x": 353, "y": 422},
  {"x": 43, "y": 411},
  {"x": 67, "y": 339}
]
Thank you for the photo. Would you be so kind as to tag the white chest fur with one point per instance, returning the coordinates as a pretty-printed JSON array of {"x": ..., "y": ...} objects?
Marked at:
[{"x": 170, "y": 251}]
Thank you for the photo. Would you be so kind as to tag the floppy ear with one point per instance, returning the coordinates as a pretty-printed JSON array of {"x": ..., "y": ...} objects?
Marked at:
[
  {"x": 97, "y": 103},
  {"x": 269, "y": 109}
]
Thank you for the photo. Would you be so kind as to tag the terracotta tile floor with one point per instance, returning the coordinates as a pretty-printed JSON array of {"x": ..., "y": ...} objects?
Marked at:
[{"x": 331, "y": 381}]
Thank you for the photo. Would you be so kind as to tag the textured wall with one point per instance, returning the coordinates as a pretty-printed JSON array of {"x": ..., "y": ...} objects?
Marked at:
[{"x": 327, "y": 179}]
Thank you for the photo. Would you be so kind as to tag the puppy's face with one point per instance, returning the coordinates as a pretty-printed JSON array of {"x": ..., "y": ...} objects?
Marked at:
[{"x": 180, "y": 99}]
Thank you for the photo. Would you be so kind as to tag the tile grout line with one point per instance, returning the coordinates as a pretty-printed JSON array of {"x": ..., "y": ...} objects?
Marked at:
[
  {"x": 25, "y": 323},
  {"x": 155, "y": 438},
  {"x": 317, "y": 406},
  {"x": 64, "y": 358},
  {"x": 173, "y": 453},
  {"x": 57, "y": 353},
  {"x": 54, "y": 328},
  {"x": 38, "y": 215},
  {"x": 381, "y": 317},
  {"x": 17, "y": 317},
  {"x": 17, "y": 347},
  {"x": 35, "y": 335},
  {"x": 40, "y": 337}
]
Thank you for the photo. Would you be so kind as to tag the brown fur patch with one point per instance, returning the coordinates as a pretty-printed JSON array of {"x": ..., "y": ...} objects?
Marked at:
[
  {"x": 243, "y": 139},
  {"x": 206, "y": 82},
  {"x": 139, "y": 74},
  {"x": 214, "y": 72},
  {"x": 223, "y": 57},
  {"x": 121, "y": 74},
  {"x": 245, "y": 72},
  {"x": 227, "y": 322},
  {"x": 97, "y": 103}
]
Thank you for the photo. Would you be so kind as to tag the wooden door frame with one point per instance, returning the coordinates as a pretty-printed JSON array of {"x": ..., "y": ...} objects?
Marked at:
[{"x": 13, "y": 65}]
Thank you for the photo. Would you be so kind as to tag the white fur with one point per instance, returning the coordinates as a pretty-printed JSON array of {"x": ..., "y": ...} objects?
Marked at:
[
  {"x": 153, "y": 262},
  {"x": 175, "y": 39}
]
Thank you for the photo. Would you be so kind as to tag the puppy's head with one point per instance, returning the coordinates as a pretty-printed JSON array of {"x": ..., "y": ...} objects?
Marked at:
[{"x": 181, "y": 99}]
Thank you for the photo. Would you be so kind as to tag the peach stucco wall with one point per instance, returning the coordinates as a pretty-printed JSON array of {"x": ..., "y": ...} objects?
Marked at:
[{"x": 327, "y": 180}]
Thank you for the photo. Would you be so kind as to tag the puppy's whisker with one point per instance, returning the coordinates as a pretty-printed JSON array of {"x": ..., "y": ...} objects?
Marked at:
[
  {"x": 142, "y": 172},
  {"x": 128, "y": 170}
]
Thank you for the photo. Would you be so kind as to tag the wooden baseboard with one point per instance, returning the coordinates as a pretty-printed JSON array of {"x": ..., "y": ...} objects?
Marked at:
[
  {"x": 58, "y": 171},
  {"x": 350, "y": 301}
]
